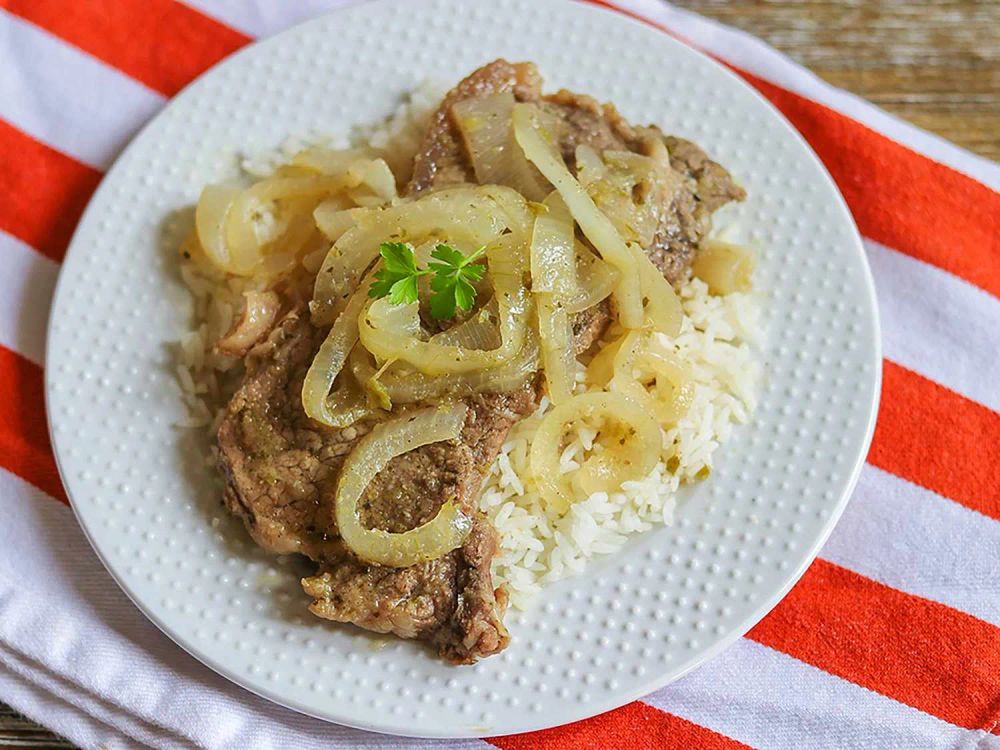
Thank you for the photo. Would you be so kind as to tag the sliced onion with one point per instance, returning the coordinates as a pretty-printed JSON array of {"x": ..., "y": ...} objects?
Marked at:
[
  {"x": 590, "y": 166},
  {"x": 210, "y": 216},
  {"x": 628, "y": 194},
  {"x": 540, "y": 149},
  {"x": 460, "y": 215},
  {"x": 400, "y": 384},
  {"x": 260, "y": 310},
  {"x": 484, "y": 123},
  {"x": 374, "y": 183},
  {"x": 245, "y": 235},
  {"x": 553, "y": 249},
  {"x": 330, "y": 161},
  {"x": 630, "y": 438},
  {"x": 596, "y": 280},
  {"x": 656, "y": 380},
  {"x": 389, "y": 336},
  {"x": 602, "y": 367},
  {"x": 662, "y": 305},
  {"x": 349, "y": 404},
  {"x": 329, "y": 361},
  {"x": 725, "y": 267},
  {"x": 479, "y": 331},
  {"x": 434, "y": 539},
  {"x": 335, "y": 216},
  {"x": 558, "y": 355}
]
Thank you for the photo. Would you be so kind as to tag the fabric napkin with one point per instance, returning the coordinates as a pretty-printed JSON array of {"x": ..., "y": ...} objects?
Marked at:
[{"x": 890, "y": 640}]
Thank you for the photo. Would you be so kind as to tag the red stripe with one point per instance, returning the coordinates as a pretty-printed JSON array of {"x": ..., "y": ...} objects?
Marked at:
[
  {"x": 898, "y": 196},
  {"x": 911, "y": 649},
  {"x": 164, "y": 44},
  {"x": 632, "y": 727},
  {"x": 24, "y": 437},
  {"x": 44, "y": 191},
  {"x": 938, "y": 439}
]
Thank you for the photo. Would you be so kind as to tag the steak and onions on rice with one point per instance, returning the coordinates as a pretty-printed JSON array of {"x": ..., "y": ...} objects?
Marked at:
[{"x": 453, "y": 362}]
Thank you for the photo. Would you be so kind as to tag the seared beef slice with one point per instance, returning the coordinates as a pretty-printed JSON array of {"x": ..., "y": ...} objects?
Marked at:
[{"x": 281, "y": 470}]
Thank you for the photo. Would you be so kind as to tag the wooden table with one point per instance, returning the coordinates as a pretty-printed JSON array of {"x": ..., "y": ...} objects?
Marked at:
[{"x": 935, "y": 63}]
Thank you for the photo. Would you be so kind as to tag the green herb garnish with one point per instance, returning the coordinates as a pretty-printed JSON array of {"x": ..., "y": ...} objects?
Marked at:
[
  {"x": 397, "y": 279},
  {"x": 452, "y": 285},
  {"x": 453, "y": 280}
]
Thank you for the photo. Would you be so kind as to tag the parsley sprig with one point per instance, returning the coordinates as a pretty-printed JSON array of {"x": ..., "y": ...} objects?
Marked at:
[
  {"x": 452, "y": 286},
  {"x": 397, "y": 279}
]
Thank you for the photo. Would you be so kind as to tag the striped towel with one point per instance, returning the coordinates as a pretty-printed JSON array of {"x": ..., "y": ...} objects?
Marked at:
[{"x": 890, "y": 640}]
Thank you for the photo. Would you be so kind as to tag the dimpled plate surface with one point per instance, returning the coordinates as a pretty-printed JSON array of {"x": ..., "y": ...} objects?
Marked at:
[{"x": 634, "y": 621}]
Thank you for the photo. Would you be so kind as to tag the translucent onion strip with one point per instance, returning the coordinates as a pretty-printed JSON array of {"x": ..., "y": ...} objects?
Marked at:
[
  {"x": 434, "y": 539},
  {"x": 484, "y": 122},
  {"x": 540, "y": 149},
  {"x": 328, "y": 363},
  {"x": 553, "y": 249},
  {"x": 401, "y": 384},
  {"x": 661, "y": 303},
  {"x": 390, "y": 337},
  {"x": 596, "y": 280},
  {"x": 725, "y": 267},
  {"x": 210, "y": 217},
  {"x": 558, "y": 356},
  {"x": 629, "y": 438},
  {"x": 461, "y": 215},
  {"x": 656, "y": 380}
]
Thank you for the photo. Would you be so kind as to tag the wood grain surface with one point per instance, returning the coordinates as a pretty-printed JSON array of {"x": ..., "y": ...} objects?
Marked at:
[{"x": 935, "y": 63}]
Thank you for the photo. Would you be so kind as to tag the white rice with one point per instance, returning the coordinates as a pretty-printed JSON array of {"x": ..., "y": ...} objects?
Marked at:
[{"x": 537, "y": 545}]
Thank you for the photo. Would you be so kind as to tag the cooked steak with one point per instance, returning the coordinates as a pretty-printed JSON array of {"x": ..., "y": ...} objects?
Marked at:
[
  {"x": 281, "y": 470},
  {"x": 277, "y": 463},
  {"x": 281, "y": 467},
  {"x": 449, "y": 602}
]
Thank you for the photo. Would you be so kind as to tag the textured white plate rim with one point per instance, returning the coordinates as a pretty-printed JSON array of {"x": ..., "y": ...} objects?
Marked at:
[{"x": 622, "y": 697}]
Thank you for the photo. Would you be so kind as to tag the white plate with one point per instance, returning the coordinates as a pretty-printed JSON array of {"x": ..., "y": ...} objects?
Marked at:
[{"x": 632, "y": 622}]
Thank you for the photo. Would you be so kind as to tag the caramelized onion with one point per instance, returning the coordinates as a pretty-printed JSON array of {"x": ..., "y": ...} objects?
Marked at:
[
  {"x": 260, "y": 310},
  {"x": 467, "y": 216},
  {"x": 401, "y": 384},
  {"x": 210, "y": 216},
  {"x": 558, "y": 356},
  {"x": 553, "y": 249},
  {"x": 485, "y": 125},
  {"x": 660, "y": 302},
  {"x": 725, "y": 267},
  {"x": 596, "y": 280},
  {"x": 434, "y": 539},
  {"x": 656, "y": 380},
  {"x": 328, "y": 363},
  {"x": 391, "y": 332},
  {"x": 629, "y": 437},
  {"x": 540, "y": 149}
]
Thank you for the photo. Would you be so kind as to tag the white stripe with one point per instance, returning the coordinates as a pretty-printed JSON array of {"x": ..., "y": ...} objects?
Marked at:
[
  {"x": 261, "y": 19},
  {"x": 753, "y": 55},
  {"x": 66, "y": 98},
  {"x": 774, "y": 702},
  {"x": 917, "y": 541},
  {"x": 937, "y": 324},
  {"x": 27, "y": 279},
  {"x": 74, "y": 633}
]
